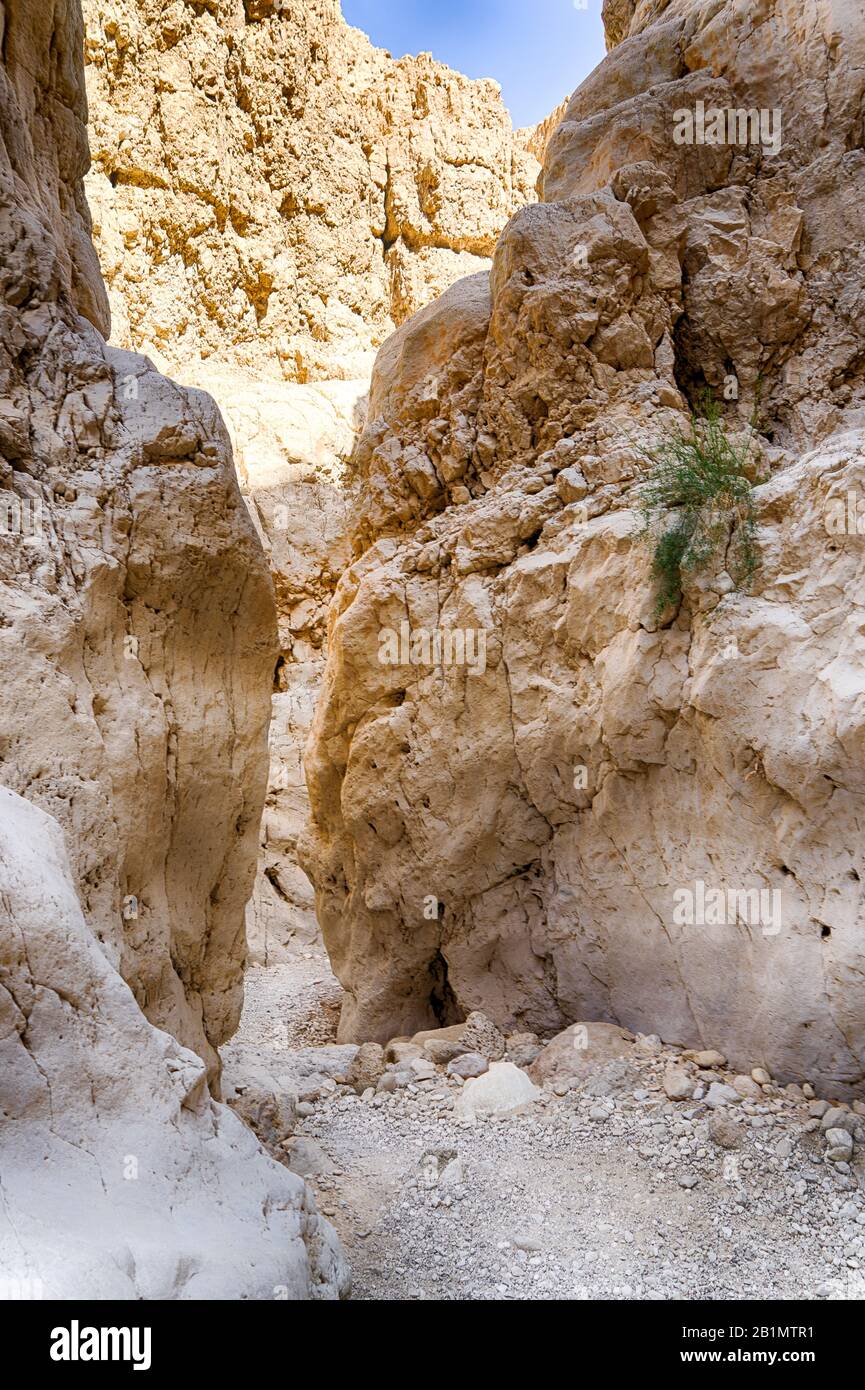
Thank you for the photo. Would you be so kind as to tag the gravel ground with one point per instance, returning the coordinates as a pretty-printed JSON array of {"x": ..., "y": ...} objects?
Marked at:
[{"x": 609, "y": 1191}]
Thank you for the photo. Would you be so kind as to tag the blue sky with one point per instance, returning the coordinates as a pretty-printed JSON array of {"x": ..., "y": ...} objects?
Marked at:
[{"x": 538, "y": 50}]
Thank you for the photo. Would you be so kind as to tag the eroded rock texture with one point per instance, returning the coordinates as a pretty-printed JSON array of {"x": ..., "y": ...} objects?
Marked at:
[
  {"x": 137, "y": 636},
  {"x": 522, "y": 834},
  {"x": 121, "y": 1177},
  {"x": 271, "y": 196},
  {"x": 270, "y": 189}
]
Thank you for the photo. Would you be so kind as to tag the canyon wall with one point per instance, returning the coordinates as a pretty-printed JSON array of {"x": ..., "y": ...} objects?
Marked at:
[
  {"x": 138, "y": 633},
  {"x": 527, "y": 784},
  {"x": 271, "y": 190},
  {"x": 272, "y": 195},
  {"x": 137, "y": 640}
]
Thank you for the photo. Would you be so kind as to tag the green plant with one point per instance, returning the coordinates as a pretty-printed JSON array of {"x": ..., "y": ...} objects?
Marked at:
[{"x": 698, "y": 486}]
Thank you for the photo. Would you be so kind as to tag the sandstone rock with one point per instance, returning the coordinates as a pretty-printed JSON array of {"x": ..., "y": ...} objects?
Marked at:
[
  {"x": 468, "y": 1065},
  {"x": 555, "y": 828},
  {"x": 719, "y": 1095},
  {"x": 708, "y": 1059},
  {"x": 761, "y": 1076},
  {"x": 574, "y": 1054},
  {"x": 841, "y": 1119},
  {"x": 138, "y": 611},
  {"x": 839, "y": 1145},
  {"x": 748, "y": 1087},
  {"x": 271, "y": 195},
  {"x": 122, "y": 1179},
  {"x": 402, "y": 1051},
  {"x": 300, "y": 191},
  {"x": 367, "y": 1066},
  {"x": 422, "y": 1069},
  {"x": 677, "y": 1083},
  {"x": 481, "y": 1035},
  {"x": 523, "y": 1049},
  {"x": 503, "y": 1090},
  {"x": 724, "y": 1130}
]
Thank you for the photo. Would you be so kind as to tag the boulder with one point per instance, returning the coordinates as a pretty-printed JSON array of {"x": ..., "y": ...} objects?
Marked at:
[
  {"x": 502, "y": 1090},
  {"x": 122, "y": 1178},
  {"x": 576, "y": 1052}
]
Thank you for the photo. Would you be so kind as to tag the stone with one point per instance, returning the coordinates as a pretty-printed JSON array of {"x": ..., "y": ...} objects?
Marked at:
[
  {"x": 523, "y": 1049},
  {"x": 367, "y": 1067},
  {"x": 835, "y": 1118},
  {"x": 503, "y": 1090},
  {"x": 250, "y": 265},
  {"x": 306, "y": 1157},
  {"x": 761, "y": 1076},
  {"x": 479, "y": 1034},
  {"x": 724, "y": 1131},
  {"x": 709, "y": 1060},
  {"x": 440, "y": 1051},
  {"x": 720, "y": 1094},
  {"x": 422, "y": 1069},
  {"x": 818, "y": 1108},
  {"x": 469, "y": 1064},
  {"x": 361, "y": 140},
  {"x": 401, "y": 1051},
  {"x": 677, "y": 1083},
  {"x": 615, "y": 288},
  {"x": 111, "y": 1146},
  {"x": 129, "y": 550},
  {"x": 747, "y": 1087},
  {"x": 576, "y": 1052},
  {"x": 839, "y": 1144}
]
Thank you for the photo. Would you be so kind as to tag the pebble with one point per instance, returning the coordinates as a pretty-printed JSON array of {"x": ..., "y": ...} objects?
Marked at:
[
  {"x": 840, "y": 1145},
  {"x": 721, "y": 1094},
  {"x": 709, "y": 1060},
  {"x": 469, "y": 1064},
  {"x": 724, "y": 1131},
  {"x": 747, "y": 1086},
  {"x": 761, "y": 1076},
  {"x": 677, "y": 1083}
]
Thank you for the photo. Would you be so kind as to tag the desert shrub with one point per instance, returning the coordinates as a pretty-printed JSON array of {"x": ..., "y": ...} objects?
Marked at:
[{"x": 698, "y": 488}]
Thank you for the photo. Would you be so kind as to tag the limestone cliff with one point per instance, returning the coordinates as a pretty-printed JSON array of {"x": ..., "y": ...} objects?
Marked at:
[
  {"x": 271, "y": 190},
  {"x": 137, "y": 642},
  {"x": 122, "y": 1178},
  {"x": 137, "y": 637},
  {"x": 271, "y": 196},
  {"x": 519, "y": 773}
]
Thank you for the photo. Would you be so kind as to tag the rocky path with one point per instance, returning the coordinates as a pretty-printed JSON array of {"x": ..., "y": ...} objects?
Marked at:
[{"x": 609, "y": 1190}]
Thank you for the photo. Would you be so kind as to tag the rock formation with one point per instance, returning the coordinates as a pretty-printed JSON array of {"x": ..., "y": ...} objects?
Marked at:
[
  {"x": 138, "y": 643},
  {"x": 138, "y": 619},
  {"x": 271, "y": 196},
  {"x": 271, "y": 190},
  {"x": 121, "y": 1177},
  {"x": 525, "y": 785}
]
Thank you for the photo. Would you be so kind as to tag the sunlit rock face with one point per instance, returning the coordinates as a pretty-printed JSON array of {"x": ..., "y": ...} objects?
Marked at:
[
  {"x": 607, "y": 815},
  {"x": 138, "y": 630},
  {"x": 271, "y": 196},
  {"x": 270, "y": 189}
]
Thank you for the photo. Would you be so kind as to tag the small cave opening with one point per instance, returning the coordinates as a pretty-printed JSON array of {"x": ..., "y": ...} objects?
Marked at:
[{"x": 442, "y": 999}]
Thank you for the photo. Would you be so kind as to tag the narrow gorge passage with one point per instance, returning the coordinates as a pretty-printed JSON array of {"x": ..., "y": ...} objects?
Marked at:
[{"x": 432, "y": 638}]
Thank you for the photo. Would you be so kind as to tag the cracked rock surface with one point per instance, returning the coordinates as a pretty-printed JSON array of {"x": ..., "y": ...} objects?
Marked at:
[
  {"x": 120, "y": 1177},
  {"x": 138, "y": 631},
  {"x": 510, "y": 834}
]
